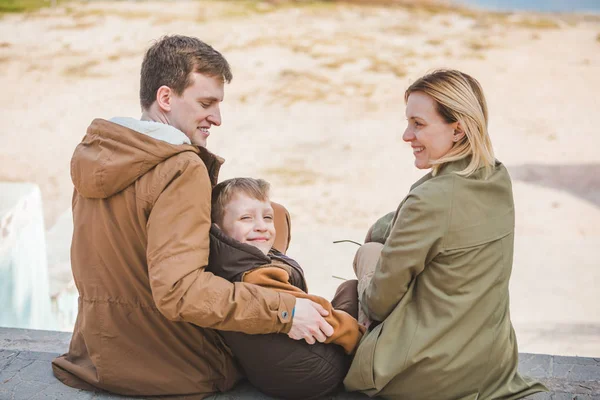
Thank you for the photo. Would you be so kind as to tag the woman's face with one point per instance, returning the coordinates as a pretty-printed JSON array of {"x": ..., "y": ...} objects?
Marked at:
[{"x": 428, "y": 134}]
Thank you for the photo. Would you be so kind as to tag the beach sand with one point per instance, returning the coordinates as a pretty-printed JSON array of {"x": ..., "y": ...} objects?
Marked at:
[{"x": 316, "y": 107}]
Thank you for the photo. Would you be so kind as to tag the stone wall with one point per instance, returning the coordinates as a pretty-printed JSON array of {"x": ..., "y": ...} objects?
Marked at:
[{"x": 25, "y": 372}]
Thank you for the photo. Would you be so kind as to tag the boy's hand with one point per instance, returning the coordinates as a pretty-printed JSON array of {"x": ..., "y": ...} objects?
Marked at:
[{"x": 308, "y": 322}]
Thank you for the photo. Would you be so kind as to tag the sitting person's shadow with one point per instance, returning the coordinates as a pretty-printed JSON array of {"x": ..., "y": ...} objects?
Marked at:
[{"x": 581, "y": 180}]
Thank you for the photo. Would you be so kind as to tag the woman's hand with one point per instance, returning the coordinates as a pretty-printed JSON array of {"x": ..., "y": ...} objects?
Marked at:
[
  {"x": 308, "y": 322},
  {"x": 380, "y": 230}
]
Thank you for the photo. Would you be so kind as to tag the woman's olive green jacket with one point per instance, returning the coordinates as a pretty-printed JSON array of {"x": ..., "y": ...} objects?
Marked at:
[{"x": 441, "y": 290}]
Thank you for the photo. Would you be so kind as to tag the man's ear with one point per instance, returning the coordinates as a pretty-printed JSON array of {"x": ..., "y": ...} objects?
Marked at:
[
  {"x": 459, "y": 133},
  {"x": 164, "y": 97}
]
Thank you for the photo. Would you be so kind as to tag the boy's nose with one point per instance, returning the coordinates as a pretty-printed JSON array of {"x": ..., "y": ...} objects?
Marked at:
[{"x": 260, "y": 225}]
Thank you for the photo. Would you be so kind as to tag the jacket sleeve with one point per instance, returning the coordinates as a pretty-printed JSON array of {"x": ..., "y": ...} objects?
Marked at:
[
  {"x": 346, "y": 330},
  {"x": 270, "y": 276},
  {"x": 413, "y": 242},
  {"x": 178, "y": 248}
]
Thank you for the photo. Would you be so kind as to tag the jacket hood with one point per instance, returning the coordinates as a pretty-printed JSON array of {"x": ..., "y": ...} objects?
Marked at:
[
  {"x": 114, "y": 154},
  {"x": 230, "y": 259}
]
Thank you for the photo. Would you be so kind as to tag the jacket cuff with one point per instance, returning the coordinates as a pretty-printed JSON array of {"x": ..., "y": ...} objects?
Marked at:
[{"x": 287, "y": 302}]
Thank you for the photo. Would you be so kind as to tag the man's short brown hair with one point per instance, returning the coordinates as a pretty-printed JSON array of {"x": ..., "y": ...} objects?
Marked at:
[
  {"x": 170, "y": 62},
  {"x": 223, "y": 193}
]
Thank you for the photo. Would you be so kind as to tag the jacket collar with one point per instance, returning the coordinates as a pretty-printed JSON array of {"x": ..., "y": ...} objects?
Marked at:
[
  {"x": 213, "y": 164},
  {"x": 229, "y": 258},
  {"x": 112, "y": 156},
  {"x": 445, "y": 169},
  {"x": 155, "y": 130},
  {"x": 454, "y": 166},
  {"x": 172, "y": 135}
]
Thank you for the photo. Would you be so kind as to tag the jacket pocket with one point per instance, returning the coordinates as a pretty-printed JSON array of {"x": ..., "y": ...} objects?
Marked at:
[{"x": 363, "y": 377}]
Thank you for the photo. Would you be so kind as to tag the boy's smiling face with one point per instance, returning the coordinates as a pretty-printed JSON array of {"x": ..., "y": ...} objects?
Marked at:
[{"x": 249, "y": 221}]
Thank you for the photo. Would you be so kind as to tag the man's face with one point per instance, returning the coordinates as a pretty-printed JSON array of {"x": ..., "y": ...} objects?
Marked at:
[
  {"x": 249, "y": 221},
  {"x": 197, "y": 109}
]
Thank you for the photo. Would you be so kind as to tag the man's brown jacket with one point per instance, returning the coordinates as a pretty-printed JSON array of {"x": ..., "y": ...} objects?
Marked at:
[{"x": 147, "y": 307}]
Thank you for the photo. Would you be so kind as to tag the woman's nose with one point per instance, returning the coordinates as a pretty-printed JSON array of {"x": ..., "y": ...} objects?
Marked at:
[{"x": 408, "y": 135}]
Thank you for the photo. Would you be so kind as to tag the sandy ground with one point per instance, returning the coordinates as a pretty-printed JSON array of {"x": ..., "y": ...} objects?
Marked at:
[{"x": 316, "y": 107}]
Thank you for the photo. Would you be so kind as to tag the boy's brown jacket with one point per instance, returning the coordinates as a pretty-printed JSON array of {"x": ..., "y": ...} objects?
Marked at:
[
  {"x": 147, "y": 307},
  {"x": 237, "y": 261}
]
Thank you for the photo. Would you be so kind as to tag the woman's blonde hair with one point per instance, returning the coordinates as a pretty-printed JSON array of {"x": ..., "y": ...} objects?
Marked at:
[{"x": 459, "y": 98}]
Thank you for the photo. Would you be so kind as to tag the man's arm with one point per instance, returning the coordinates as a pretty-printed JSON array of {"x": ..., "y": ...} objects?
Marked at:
[
  {"x": 178, "y": 247},
  {"x": 309, "y": 324}
]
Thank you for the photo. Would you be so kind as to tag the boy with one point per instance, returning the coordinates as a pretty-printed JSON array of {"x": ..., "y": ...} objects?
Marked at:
[{"x": 241, "y": 250}]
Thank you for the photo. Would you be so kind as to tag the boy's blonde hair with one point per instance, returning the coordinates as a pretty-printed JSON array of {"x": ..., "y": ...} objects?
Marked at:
[
  {"x": 223, "y": 193},
  {"x": 459, "y": 98}
]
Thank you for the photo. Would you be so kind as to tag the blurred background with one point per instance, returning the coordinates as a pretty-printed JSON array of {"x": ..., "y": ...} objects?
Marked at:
[{"x": 316, "y": 107}]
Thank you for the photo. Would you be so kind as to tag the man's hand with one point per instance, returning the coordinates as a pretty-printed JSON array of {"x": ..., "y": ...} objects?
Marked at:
[{"x": 308, "y": 322}]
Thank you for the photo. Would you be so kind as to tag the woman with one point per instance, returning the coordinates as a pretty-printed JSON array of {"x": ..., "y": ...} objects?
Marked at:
[{"x": 439, "y": 285}]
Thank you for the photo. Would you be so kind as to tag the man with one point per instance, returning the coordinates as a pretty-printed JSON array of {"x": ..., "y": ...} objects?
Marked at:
[{"x": 141, "y": 211}]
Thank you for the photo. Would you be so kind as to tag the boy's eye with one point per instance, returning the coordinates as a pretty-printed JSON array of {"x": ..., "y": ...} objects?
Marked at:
[
  {"x": 269, "y": 217},
  {"x": 245, "y": 217}
]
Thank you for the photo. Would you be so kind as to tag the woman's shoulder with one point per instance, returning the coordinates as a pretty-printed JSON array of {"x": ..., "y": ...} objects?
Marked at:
[
  {"x": 477, "y": 206},
  {"x": 448, "y": 181},
  {"x": 432, "y": 190},
  {"x": 492, "y": 184},
  {"x": 449, "y": 189}
]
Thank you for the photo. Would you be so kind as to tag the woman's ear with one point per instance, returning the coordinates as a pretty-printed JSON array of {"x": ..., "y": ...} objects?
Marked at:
[{"x": 459, "y": 133}]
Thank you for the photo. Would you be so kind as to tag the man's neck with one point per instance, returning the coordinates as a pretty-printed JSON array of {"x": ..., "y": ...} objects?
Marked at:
[{"x": 154, "y": 115}]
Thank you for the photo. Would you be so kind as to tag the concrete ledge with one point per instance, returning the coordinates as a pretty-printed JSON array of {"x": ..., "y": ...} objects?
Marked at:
[
  {"x": 24, "y": 285},
  {"x": 25, "y": 372}
]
